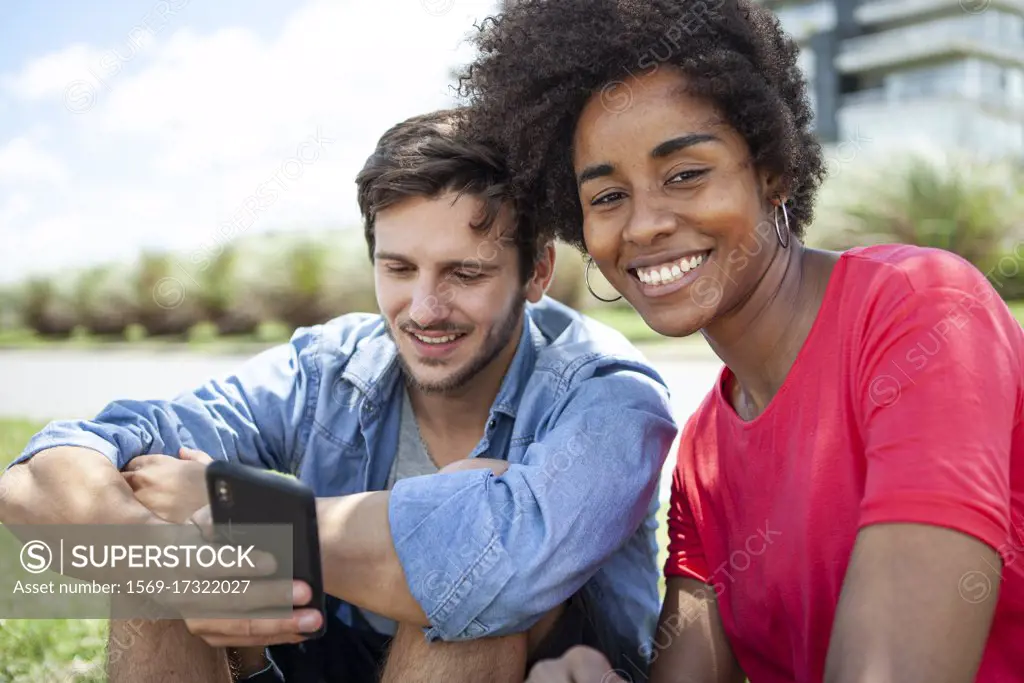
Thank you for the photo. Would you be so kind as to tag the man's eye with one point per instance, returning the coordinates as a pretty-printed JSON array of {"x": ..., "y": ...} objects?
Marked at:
[
  {"x": 398, "y": 269},
  {"x": 466, "y": 277}
]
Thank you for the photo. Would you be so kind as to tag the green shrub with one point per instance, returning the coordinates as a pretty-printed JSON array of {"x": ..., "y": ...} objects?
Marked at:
[
  {"x": 203, "y": 332},
  {"x": 969, "y": 208},
  {"x": 48, "y": 307},
  {"x": 273, "y": 331},
  {"x": 134, "y": 333},
  {"x": 105, "y": 299},
  {"x": 568, "y": 284},
  {"x": 166, "y": 295}
]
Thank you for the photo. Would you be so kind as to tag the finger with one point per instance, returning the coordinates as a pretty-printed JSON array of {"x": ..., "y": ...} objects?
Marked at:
[
  {"x": 203, "y": 519},
  {"x": 194, "y": 455},
  {"x": 301, "y": 593},
  {"x": 141, "y": 461},
  {"x": 238, "y": 630},
  {"x": 132, "y": 480},
  {"x": 550, "y": 671},
  {"x": 588, "y": 664},
  {"x": 225, "y": 641},
  {"x": 230, "y": 600}
]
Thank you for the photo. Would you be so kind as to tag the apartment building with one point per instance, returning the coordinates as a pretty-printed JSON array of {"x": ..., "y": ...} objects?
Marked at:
[{"x": 943, "y": 73}]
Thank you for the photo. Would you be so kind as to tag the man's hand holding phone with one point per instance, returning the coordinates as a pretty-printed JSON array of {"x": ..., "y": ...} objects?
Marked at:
[
  {"x": 304, "y": 623},
  {"x": 244, "y": 495}
]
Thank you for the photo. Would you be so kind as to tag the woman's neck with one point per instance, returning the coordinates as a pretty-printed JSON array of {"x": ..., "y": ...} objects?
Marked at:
[{"x": 761, "y": 337}]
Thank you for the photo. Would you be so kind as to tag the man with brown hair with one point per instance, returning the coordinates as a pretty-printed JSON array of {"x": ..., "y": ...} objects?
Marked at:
[{"x": 485, "y": 459}]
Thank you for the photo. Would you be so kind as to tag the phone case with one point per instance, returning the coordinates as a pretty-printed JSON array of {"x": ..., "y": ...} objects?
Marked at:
[{"x": 240, "y": 494}]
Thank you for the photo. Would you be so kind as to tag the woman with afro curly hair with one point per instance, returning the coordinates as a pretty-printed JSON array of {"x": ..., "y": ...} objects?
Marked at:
[{"x": 848, "y": 502}]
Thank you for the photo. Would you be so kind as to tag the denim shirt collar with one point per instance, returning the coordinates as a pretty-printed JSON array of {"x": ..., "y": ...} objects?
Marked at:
[{"x": 374, "y": 368}]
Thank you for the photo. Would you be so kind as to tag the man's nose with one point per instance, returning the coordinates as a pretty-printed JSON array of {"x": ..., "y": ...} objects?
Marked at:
[{"x": 430, "y": 301}]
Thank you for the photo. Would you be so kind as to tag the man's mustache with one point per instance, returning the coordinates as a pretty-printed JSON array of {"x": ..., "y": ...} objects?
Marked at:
[{"x": 447, "y": 328}]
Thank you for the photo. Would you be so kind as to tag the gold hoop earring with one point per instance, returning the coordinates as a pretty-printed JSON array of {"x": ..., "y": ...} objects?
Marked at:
[
  {"x": 586, "y": 277},
  {"x": 778, "y": 230}
]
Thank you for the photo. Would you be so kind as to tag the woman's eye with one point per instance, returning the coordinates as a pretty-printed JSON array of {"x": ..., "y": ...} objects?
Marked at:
[
  {"x": 608, "y": 198},
  {"x": 685, "y": 176}
]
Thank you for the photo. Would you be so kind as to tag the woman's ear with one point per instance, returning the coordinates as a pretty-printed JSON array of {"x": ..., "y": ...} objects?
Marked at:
[{"x": 773, "y": 186}]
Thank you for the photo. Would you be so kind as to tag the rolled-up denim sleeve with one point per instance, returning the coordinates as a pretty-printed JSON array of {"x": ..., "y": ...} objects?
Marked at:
[
  {"x": 488, "y": 555},
  {"x": 254, "y": 415}
]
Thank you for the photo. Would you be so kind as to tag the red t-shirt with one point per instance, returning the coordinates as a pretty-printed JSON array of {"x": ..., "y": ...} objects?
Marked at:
[{"x": 904, "y": 405}]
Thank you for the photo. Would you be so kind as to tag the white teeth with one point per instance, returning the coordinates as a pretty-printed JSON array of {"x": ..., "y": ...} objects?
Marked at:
[
  {"x": 670, "y": 272},
  {"x": 436, "y": 340}
]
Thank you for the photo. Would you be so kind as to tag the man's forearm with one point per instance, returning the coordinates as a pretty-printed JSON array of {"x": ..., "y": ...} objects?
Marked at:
[
  {"x": 68, "y": 485},
  {"x": 360, "y": 563}
]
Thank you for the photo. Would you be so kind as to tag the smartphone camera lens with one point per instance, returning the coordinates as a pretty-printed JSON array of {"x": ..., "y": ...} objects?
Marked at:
[{"x": 223, "y": 492}]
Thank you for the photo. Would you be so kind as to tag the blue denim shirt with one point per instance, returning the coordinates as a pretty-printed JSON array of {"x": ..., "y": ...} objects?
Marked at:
[{"x": 583, "y": 421}]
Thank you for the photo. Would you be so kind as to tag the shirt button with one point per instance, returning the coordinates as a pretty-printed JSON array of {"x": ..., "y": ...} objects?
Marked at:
[{"x": 490, "y": 424}]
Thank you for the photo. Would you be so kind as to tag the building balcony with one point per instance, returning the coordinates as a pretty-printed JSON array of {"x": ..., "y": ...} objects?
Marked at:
[
  {"x": 876, "y": 12},
  {"x": 999, "y": 104},
  {"x": 927, "y": 42},
  {"x": 935, "y": 122},
  {"x": 801, "y": 21}
]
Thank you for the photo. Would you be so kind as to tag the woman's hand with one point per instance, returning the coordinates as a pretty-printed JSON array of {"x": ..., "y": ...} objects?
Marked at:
[
  {"x": 579, "y": 665},
  {"x": 172, "y": 488}
]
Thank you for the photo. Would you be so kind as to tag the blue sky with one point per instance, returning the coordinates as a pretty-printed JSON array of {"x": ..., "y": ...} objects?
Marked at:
[{"x": 128, "y": 124}]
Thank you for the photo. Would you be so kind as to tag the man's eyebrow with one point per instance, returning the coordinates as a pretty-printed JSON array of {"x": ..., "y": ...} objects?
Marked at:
[
  {"x": 390, "y": 256},
  {"x": 473, "y": 263}
]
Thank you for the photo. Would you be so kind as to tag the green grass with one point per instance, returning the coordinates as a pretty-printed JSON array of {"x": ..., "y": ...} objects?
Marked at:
[
  {"x": 47, "y": 650},
  {"x": 26, "y": 339},
  {"x": 627, "y": 321},
  {"x": 622, "y": 318}
]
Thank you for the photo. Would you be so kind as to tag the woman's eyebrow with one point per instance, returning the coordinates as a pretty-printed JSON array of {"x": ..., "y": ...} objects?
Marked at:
[
  {"x": 594, "y": 171},
  {"x": 664, "y": 149},
  {"x": 682, "y": 142}
]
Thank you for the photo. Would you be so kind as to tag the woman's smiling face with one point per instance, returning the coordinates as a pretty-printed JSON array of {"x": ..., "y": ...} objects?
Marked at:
[{"x": 674, "y": 212}]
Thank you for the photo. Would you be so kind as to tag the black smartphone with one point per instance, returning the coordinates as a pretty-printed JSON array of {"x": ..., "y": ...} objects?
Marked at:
[{"x": 243, "y": 495}]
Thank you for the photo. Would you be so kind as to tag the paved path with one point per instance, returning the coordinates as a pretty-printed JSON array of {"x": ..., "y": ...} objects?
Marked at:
[{"x": 42, "y": 385}]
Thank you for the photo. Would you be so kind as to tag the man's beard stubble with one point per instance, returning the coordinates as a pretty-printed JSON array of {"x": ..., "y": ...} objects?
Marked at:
[{"x": 493, "y": 345}]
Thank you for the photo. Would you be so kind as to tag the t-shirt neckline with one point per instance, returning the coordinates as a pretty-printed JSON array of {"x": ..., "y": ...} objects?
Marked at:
[{"x": 726, "y": 408}]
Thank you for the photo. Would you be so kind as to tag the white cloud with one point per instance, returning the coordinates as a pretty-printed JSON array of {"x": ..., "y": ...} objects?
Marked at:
[
  {"x": 15, "y": 207},
  {"x": 50, "y": 75},
  {"x": 22, "y": 161},
  {"x": 178, "y": 136}
]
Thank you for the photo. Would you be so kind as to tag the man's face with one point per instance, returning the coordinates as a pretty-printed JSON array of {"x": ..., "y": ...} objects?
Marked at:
[{"x": 451, "y": 296}]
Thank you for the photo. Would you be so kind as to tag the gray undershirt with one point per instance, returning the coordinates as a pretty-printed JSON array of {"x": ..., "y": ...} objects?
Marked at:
[{"x": 411, "y": 460}]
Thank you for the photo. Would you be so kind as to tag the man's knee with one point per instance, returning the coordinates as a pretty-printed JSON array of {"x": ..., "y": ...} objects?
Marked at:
[
  {"x": 162, "y": 650},
  {"x": 541, "y": 633},
  {"x": 411, "y": 659}
]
